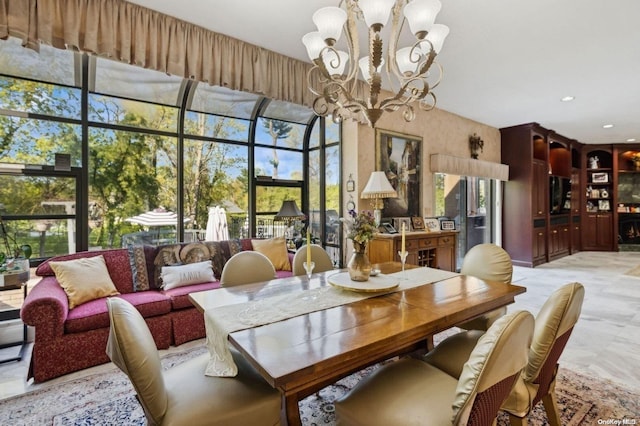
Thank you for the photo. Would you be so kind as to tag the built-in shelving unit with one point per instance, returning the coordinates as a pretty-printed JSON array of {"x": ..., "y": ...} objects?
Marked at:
[
  {"x": 542, "y": 195},
  {"x": 597, "y": 217},
  {"x": 627, "y": 197}
]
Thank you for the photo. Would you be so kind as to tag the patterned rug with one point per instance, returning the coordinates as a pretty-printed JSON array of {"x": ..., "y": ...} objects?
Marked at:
[{"x": 108, "y": 399}]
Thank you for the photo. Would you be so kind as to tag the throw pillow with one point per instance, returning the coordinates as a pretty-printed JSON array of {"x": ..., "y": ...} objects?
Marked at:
[
  {"x": 192, "y": 273},
  {"x": 141, "y": 261},
  {"x": 84, "y": 279},
  {"x": 276, "y": 250},
  {"x": 221, "y": 252}
]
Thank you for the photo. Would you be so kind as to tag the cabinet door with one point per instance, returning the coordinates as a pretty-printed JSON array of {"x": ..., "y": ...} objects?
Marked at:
[
  {"x": 589, "y": 241},
  {"x": 604, "y": 231},
  {"x": 575, "y": 237},
  {"x": 539, "y": 245},
  {"x": 540, "y": 188}
]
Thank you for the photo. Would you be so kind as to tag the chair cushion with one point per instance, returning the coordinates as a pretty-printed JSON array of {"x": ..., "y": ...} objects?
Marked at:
[
  {"x": 406, "y": 392},
  {"x": 84, "y": 279},
  {"x": 183, "y": 275},
  {"x": 276, "y": 251},
  {"x": 196, "y": 399}
]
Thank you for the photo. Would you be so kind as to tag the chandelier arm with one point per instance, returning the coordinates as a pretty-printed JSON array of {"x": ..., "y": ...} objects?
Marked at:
[
  {"x": 426, "y": 106},
  {"x": 391, "y": 64},
  {"x": 353, "y": 43}
]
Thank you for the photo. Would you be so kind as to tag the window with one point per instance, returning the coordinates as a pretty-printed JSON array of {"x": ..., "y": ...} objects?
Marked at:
[{"x": 148, "y": 140}]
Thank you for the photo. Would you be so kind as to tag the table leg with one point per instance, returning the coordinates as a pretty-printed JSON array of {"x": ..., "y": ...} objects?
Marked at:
[{"x": 290, "y": 415}]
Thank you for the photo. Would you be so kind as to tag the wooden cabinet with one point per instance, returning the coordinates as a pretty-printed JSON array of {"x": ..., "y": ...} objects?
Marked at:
[
  {"x": 432, "y": 249},
  {"x": 597, "y": 231},
  {"x": 542, "y": 196},
  {"x": 559, "y": 237}
]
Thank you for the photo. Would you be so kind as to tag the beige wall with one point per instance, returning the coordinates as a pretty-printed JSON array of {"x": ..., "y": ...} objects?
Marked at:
[{"x": 442, "y": 133}]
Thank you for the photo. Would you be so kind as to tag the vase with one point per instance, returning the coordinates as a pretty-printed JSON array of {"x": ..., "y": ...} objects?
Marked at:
[{"x": 359, "y": 266}]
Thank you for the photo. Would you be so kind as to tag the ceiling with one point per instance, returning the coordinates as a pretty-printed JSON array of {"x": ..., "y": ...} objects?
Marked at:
[{"x": 506, "y": 62}]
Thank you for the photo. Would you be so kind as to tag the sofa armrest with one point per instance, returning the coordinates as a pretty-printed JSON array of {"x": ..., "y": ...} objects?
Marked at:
[{"x": 46, "y": 308}]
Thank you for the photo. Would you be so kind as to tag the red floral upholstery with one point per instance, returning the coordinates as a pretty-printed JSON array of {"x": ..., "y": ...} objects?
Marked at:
[{"x": 71, "y": 340}]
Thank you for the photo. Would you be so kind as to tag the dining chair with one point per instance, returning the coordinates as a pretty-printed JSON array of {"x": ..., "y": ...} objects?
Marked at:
[
  {"x": 183, "y": 395},
  {"x": 319, "y": 256},
  {"x": 413, "y": 392},
  {"x": 553, "y": 326},
  {"x": 247, "y": 267},
  {"x": 488, "y": 262}
]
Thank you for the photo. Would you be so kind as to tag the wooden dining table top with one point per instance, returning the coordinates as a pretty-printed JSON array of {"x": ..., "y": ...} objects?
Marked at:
[{"x": 303, "y": 354}]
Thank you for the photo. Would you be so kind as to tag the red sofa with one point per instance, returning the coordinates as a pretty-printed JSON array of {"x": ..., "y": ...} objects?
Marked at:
[{"x": 68, "y": 340}]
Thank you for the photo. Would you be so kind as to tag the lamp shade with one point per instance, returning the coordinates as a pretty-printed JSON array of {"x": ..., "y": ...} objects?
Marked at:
[
  {"x": 289, "y": 210},
  {"x": 378, "y": 186}
]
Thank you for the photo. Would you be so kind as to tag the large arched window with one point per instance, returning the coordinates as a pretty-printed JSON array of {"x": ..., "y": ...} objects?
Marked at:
[{"x": 89, "y": 143}]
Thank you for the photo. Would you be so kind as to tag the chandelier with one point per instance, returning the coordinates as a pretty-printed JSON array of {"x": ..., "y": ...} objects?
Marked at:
[{"x": 408, "y": 70}]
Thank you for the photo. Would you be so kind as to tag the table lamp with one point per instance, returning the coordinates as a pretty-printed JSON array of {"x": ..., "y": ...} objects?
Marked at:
[
  {"x": 378, "y": 187},
  {"x": 289, "y": 212}
]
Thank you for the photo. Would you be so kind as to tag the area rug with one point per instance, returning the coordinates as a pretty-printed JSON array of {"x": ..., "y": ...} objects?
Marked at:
[{"x": 108, "y": 398}]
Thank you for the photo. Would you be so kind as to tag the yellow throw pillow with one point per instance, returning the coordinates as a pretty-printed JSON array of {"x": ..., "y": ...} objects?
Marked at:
[
  {"x": 84, "y": 279},
  {"x": 276, "y": 250}
]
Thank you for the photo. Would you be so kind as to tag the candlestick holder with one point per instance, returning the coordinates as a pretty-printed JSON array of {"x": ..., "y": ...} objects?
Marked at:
[
  {"x": 309, "y": 268},
  {"x": 403, "y": 259}
]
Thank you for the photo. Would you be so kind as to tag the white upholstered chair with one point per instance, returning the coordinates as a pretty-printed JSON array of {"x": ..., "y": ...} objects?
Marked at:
[
  {"x": 414, "y": 392},
  {"x": 319, "y": 256},
  {"x": 183, "y": 395},
  {"x": 491, "y": 263},
  {"x": 247, "y": 267},
  {"x": 554, "y": 324}
]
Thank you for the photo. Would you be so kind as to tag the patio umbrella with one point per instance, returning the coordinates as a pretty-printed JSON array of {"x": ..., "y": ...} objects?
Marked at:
[
  {"x": 217, "y": 229},
  {"x": 156, "y": 217}
]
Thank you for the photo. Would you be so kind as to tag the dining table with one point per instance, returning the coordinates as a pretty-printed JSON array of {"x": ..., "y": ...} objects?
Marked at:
[{"x": 301, "y": 352}]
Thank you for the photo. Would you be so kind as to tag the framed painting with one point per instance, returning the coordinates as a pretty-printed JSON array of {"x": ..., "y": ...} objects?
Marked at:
[{"x": 399, "y": 155}]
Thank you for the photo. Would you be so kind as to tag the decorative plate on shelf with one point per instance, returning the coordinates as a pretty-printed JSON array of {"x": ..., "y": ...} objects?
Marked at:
[{"x": 372, "y": 285}]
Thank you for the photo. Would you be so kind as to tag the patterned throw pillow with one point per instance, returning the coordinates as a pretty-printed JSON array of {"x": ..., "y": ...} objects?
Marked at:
[
  {"x": 167, "y": 255},
  {"x": 141, "y": 261},
  {"x": 220, "y": 252}
]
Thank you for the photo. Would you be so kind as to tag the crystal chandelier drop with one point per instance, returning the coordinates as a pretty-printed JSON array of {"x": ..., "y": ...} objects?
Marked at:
[{"x": 411, "y": 72}]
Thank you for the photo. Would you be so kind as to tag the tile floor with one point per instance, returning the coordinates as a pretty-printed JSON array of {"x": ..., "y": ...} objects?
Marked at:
[{"x": 604, "y": 342}]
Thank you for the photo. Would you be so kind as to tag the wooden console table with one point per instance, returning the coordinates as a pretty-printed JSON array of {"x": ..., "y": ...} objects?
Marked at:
[{"x": 431, "y": 249}]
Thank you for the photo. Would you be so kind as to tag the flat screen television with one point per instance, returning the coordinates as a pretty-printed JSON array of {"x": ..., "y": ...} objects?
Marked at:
[{"x": 559, "y": 195}]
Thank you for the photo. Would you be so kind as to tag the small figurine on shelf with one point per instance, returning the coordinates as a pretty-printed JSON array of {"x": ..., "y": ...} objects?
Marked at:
[{"x": 594, "y": 162}]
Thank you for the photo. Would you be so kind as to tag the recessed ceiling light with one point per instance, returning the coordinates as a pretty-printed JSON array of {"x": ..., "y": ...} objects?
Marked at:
[
  {"x": 568, "y": 98},
  {"x": 607, "y": 126},
  {"x": 631, "y": 140}
]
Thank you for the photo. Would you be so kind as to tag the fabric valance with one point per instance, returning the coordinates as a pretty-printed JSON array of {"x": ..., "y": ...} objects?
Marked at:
[
  {"x": 136, "y": 35},
  {"x": 449, "y": 164}
]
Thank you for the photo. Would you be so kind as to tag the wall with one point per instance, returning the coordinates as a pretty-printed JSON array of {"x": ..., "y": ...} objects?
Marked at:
[{"x": 442, "y": 132}]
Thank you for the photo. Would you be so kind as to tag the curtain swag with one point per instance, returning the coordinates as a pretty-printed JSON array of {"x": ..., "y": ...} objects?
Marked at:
[{"x": 136, "y": 35}]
